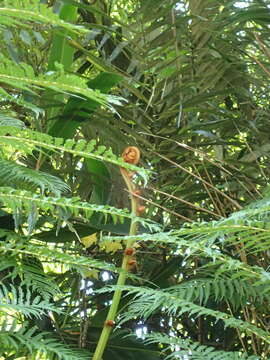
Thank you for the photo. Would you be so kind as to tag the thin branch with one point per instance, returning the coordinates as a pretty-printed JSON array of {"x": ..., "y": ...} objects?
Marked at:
[
  {"x": 238, "y": 206},
  {"x": 196, "y": 207},
  {"x": 163, "y": 208}
]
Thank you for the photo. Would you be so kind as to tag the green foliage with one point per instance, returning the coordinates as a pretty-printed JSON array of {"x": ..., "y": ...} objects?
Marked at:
[
  {"x": 22, "y": 77},
  {"x": 147, "y": 301},
  {"x": 29, "y": 140},
  {"x": 15, "y": 245},
  {"x": 59, "y": 207},
  {"x": 30, "y": 273},
  {"x": 186, "y": 82},
  {"x": 27, "y": 341},
  {"x": 16, "y": 175},
  {"x": 194, "y": 349},
  {"x": 17, "y": 300},
  {"x": 61, "y": 51},
  {"x": 13, "y": 12},
  {"x": 6, "y": 120}
]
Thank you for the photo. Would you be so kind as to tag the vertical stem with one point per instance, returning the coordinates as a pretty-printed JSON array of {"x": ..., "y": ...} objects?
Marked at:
[{"x": 104, "y": 337}]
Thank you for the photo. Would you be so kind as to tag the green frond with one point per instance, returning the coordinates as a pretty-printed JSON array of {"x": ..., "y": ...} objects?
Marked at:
[
  {"x": 79, "y": 148},
  {"x": 27, "y": 341},
  {"x": 15, "y": 245},
  {"x": 235, "y": 292},
  {"x": 195, "y": 241},
  {"x": 194, "y": 349},
  {"x": 248, "y": 228},
  {"x": 18, "y": 13},
  {"x": 193, "y": 74},
  {"x": 147, "y": 301},
  {"x": 30, "y": 273},
  {"x": 6, "y": 120},
  {"x": 59, "y": 207},
  {"x": 21, "y": 76},
  {"x": 21, "y": 300},
  {"x": 16, "y": 175}
]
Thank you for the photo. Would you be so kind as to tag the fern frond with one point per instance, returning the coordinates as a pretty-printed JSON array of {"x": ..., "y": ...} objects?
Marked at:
[
  {"x": 21, "y": 76},
  {"x": 234, "y": 291},
  {"x": 194, "y": 241},
  {"x": 59, "y": 207},
  {"x": 17, "y": 13},
  {"x": 6, "y": 120},
  {"x": 15, "y": 174},
  {"x": 21, "y": 300},
  {"x": 147, "y": 301},
  {"x": 27, "y": 340},
  {"x": 248, "y": 227},
  {"x": 30, "y": 205},
  {"x": 79, "y": 148},
  {"x": 31, "y": 275},
  {"x": 15, "y": 245},
  {"x": 194, "y": 349}
]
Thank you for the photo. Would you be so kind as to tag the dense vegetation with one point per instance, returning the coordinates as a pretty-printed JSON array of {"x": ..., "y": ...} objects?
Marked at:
[{"x": 185, "y": 82}]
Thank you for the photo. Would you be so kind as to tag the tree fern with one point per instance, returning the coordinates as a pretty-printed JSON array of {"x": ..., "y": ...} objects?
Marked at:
[
  {"x": 18, "y": 13},
  {"x": 81, "y": 148},
  {"x": 18, "y": 299},
  {"x": 147, "y": 301},
  {"x": 26, "y": 340},
  {"x": 22, "y": 77},
  {"x": 219, "y": 269},
  {"x": 21, "y": 177},
  {"x": 220, "y": 278},
  {"x": 194, "y": 350},
  {"x": 30, "y": 273},
  {"x": 15, "y": 244}
]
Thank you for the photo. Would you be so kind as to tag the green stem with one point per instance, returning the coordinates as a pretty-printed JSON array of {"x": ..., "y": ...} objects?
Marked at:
[{"x": 104, "y": 337}]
